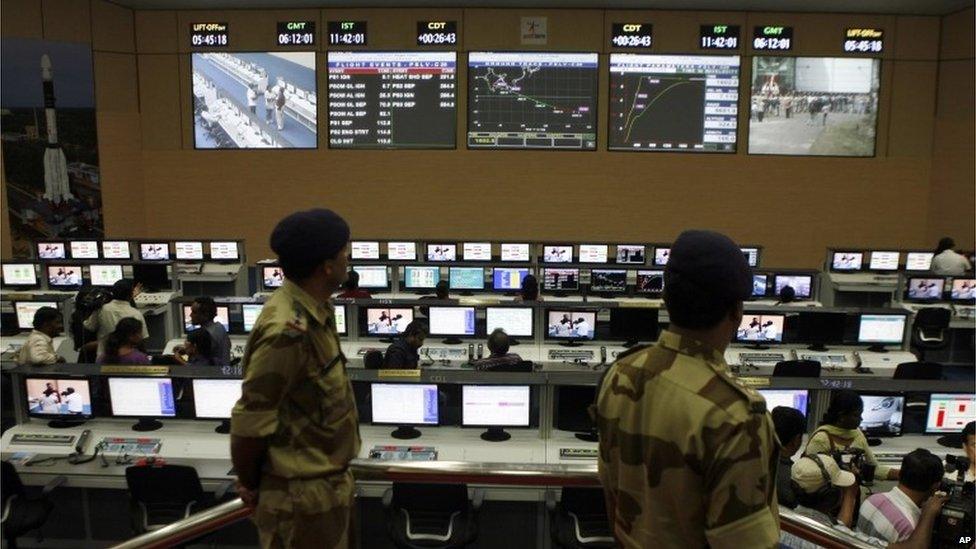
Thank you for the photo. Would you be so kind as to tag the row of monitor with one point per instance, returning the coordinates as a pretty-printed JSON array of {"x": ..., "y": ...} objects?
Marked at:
[
  {"x": 180, "y": 250},
  {"x": 67, "y": 276},
  {"x": 935, "y": 288},
  {"x": 882, "y": 261}
]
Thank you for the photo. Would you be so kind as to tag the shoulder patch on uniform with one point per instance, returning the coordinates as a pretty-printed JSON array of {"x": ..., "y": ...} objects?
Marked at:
[{"x": 297, "y": 325}]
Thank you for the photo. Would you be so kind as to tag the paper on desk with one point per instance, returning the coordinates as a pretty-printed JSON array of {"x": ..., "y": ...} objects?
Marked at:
[{"x": 21, "y": 458}]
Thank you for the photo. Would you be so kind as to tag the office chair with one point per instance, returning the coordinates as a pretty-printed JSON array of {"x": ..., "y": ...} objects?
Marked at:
[
  {"x": 579, "y": 520},
  {"x": 22, "y": 513},
  {"x": 929, "y": 329},
  {"x": 797, "y": 368},
  {"x": 163, "y": 494},
  {"x": 523, "y": 366},
  {"x": 421, "y": 516},
  {"x": 373, "y": 360},
  {"x": 918, "y": 370}
]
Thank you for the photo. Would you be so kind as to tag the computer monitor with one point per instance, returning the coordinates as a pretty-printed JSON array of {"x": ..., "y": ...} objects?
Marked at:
[
  {"x": 791, "y": 398},
  {"x": 882, "y": 415},
  {"x": 22, "y": 275},
  {"x": 421, "y": 278},
  {"x": 608, "y": 281},
  {"x": 224, "y": 251},
  {"x": 441, "y": 252},
  {"x": 386, "y": 322},
  {"x": 759, "y": 285},
  {"x": 633, "y": 324},
  {"x": 801, "y": 284},
  {"x": 752, "y": 256},
  {"x": 650, "y": 283},
  {"x": 560, "y": 280},
  {"x": 557, "y": 254},
  {"x": 222, "y": 318},
  {"x": 251, "y": 312},
  {"x": 819, "y": 329},
  {"x": 477, "y": 251},
  {"x": 571, "y": 413},
  {"x": 401, "y": 251},
  {"x": 495, "y": 407},
  {"x": 919, "y": 261},
  {"x": 215, "y": 398},
  {"x": 188, "y": 250},
  {"x": 661, "y": 256},
  {"x": 373, "y": 276},
  {"x": 467, "y": 278},
  {"x": 515, "y": 252},
  {"x": 273, "y": 277},
  {"x": 884, "y": 261},
  {"x": 631, "y": 254},
  {"x": 594, "y": 253},
  {"x": 572, "y": 325},
  {"x": 66, "y": 401},
  {"x": 84, "y": 249},
  {"x": 506, "y": 279},
  {"x": 105, "y": 275},
  {"x": 963, "y": 289},
  {"x": 152, "y": 277},
  {"x": 64, "y": 276},
  {"x": 154, "y": 251},
  {"x": 27, "y": 309},
  {"x": 340, "y": 319},
  {"x": 949, "y": 413},
  {"x": 142, "y": 397},
  {"x": 516, "y": 321},
  {"x": 760, "y": 328},
  {"x": 924, "y": 289},
  {"x": 404, "y": 405},
  {"x": 451, "y": 321},
  {"x": 364, "y": 249},
  {"x": 847, "y": 261},
  {"x": 51, "y": 250},
  {"x": 880, "y": 330},
  {"x": 116, "y": 249}
]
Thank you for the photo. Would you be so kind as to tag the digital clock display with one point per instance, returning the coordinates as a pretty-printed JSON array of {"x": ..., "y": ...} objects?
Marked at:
[
  {"x": 631, "y": 35},
  {"x": 296, "y": 33},
  {"x": 719, "y": 37},
  {"x": 772, "y": 38},
  {"x": 209, "y": 35},
  {"x": 860, "y": 40},
  {"x": 437, "y": 33},
  {"x": 347, "y": 33}
]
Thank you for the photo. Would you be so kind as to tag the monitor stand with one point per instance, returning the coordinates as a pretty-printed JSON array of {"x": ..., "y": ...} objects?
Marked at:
[
  {"x": 953, "y": 441},
  {"x": 451, "y": 341},
  {"x": 588, "y": 436},
  {"x": 817, "y": 348},
  {"x": 758, "y": 347},
  {"x": 65, "y": 423},
  {"x": 405, "y": 432},
  {"x": 570, "y": 343},
  {"x": 560, "y": 294},
  {"x": 877, "y": 348},
  {"x": 513, "y": 342},
  {"x": 630, "y": 343},
  {"x": 466, "y": 293},
  {"x": 223, "y": 428},
  {"x": 147, "y": 424},
  {"x": 495, "y": 434},
  {"x": 385, "y": 340}
]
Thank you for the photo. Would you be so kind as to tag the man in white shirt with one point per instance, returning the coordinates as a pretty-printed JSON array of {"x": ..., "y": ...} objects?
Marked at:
[
  {"x": 39, "y": 348},
  {"x": 104, "y": 320},
  {"x": 947, "y": 261},
  {"x": 894, "y": 515},
  {"x": 582, "y": 328},
  {"x": 74, "y": 401}
]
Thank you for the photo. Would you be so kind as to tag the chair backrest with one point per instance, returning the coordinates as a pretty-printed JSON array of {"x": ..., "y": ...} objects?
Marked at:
[
  {"x": 797, "y": 368},
  {"x": 932, "y": 318},
  {"x": 918, "y": 370},
  {"x": 10, "y": 484},
  {"x": 373, "y": 360},
  {"x": 164, "y": 484},
  {"x": 430, "y": 497},
  {"x": 583, "y": 501}
]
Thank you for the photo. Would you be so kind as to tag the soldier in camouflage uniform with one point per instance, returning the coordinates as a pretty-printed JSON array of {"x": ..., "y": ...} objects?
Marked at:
[
  {"x": 295, "y": 428},
  {"x": 688, "y": 455}
]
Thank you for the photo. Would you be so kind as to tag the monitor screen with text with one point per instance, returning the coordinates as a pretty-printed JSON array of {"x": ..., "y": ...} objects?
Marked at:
[
  {"x": 142, "y": 396},
  {"x": 215, "y": 398},
  {"x": 495, "y": 405},
  {"x": 404, "y": 403},
  {"x": 949, "y": 413}
]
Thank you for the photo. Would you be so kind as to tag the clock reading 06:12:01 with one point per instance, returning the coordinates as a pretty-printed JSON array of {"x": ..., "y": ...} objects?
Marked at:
[{"x": 296, "y": 33}]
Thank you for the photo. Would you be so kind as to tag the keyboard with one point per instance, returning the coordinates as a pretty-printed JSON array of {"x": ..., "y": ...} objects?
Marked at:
[
  {"x": 147, "y": 299},
  {"x": 826, "y": 359},
  {"x": 43, "y": 440},
  {"x": 578, "y": 453},
  {"x": 762, "y": 357},
  {"x": 571, "y": 355},
  {"x": 403, "y": 453},
  {"x": 445, "y": 353},
  {"x": 126, "y": 445}
]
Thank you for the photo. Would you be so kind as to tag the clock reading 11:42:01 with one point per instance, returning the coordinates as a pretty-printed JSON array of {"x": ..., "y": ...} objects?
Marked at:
[
  {"x": 719, "y": 37},
  {"x": 347, "y": 33}
]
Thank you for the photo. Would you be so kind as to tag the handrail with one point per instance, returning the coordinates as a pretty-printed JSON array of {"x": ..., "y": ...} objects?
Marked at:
[{"x": 215, "y": 518}]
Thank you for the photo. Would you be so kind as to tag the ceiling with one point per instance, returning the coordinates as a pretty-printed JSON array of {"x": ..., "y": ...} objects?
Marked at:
[{"x": 916, "y": 7}]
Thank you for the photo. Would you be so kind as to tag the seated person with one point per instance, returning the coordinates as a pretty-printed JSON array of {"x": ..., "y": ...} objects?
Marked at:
[
  {"x": 38, "y": 350},
  {"x": 122, "y": 345},
  {"x": 441, "y": 291},
  {"x": 498, "y": 345},
  {"x": 203, "y": 311},
  {"x": 790, "y": 426},
  {"x": 840, "y": 430},
  {"x": 402, "y": 353},
  {"x": 197, "y": 350},
  {"x": 530, "y": 289},
  {"x": 969, "y": 446},
  {"x": 786, "y": 295},
  {"x": 893, "y": 515},
  {"x": 351, "y": 289}
]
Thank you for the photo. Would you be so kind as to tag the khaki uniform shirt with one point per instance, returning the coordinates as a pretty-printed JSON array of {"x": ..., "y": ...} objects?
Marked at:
[{"x": 687, "y": 455}]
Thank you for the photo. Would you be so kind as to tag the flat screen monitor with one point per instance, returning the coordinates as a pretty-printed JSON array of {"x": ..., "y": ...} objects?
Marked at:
[
  {"x": 404, "y": 403},
  {"x": 847, "y": 261},
  {"x": 790, "y": 398},
  {"x": 661, "y": 256},
  {"x": 153, "y": 277},
  {"x": 340, "y": 319},
  {"x": 64, "y": 276},
  {"x": 477, "y": 251},
  {"x": 557, "y": 254},
  {"x": 515, "y": 252},
  {"x": 254, "y": 100},
  {"x": 385, "y": 322},
  {"x": 503, "y": 278},
  {"x": 884, "y": 261},
  {"x": 51, "y": 397},
  {"x": 882, "y": 329},
  {"x": 224, "y": 251},
  {"x": 451, "y": 321},
  {"x": 801, "y": 284},
  {"x": 365, "y": 250},
  {"x": 608, "y": 280},
  {"x": 675, "y": 103},
  {"x": 154, "y": 251},
  {"x": 560, "y": 280},
  {"x": 949, "y": 413},
  {"x": 19, "y": 274},
  {"x": 963, "y": 289},
  {"x": 467, "y": 278},
  {"x": 372, "y": 276},
  {"x": 814, "y": 106},
  {"x": 593, "y": 253},
  {"x": 273, "y": 277},
  {"x": 27, "y": 309},
  {"x": 918, "y": 261},
  {"x": 532, "y": 100},
  {"x": 116, "y": 249},
  {"x": 819, "y": 328},
  {"x": 752, "y": 256},
  {"x": 759, "y": 285},
  {"x": 442, "y": 252},
  {"x": 650, "y": 282},
  {"x": 105, "y": 275},
  {"x": 571, "y": 324},
  {"x": 634, "y": 324},
  {"x": 757, "y": 328},
  {"x": 421, "y": 278},
  {"x": 141, "y": 397},
  {"x": 215, "y": 398},
  {"x": 222, "y": 318},
  {"x": 924, "y": 289},
  {"x": 882, "y": 415},
  {"x": 631, "y": 254},
  {"x": 516, "y": 321},
  {"x": 401, "y": 251},
  {"x": 188, "y": 250},
  {"x": 251, "y": 312},
  {"x": 51, "y": 250},
  {"x": 495, "y": 405},
  {"x": 84, "y": 249}
]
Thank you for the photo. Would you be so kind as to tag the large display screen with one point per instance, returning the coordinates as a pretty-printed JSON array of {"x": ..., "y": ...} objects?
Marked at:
[
  {"x": 820, "y": 106},
  {"x": 949, "y": 413},
  {"x": 673, "y": 102},
  {"x": 532, "y": 100},
  {"x": 888, "y": 329},
  {"x": 387, "y": 321},
  {"x": 404, "y": 403},
  {"x": 495, "y": 405},
  {"x": 257, "y": 100},
  {"x": 26, "y": 310},
  {"x": 760, "y": 328},
  {"x": 392, "y": 100},
  {"x": 58, "y": 397},
  {"x": 882, "y": 415},
  {"x": 571, "y": 325},
  {"x": 142, "y": 396},
  {"x": 790, "y": 398},
  {"x": 516, "y": 321},
  {"x": 451, "y": 321},
  {"x": 466, "y": 278},
  {"x": 215, "y": 398},
  {"x": 19, "y": 274}
]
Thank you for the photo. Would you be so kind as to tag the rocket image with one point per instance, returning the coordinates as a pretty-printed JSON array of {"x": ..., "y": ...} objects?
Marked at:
[{"x": 55, "y": 164}]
